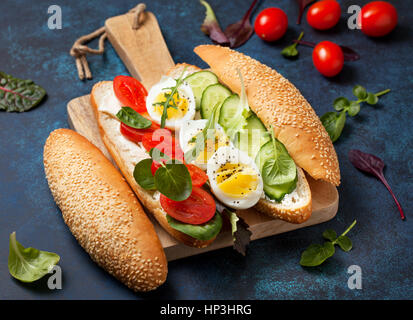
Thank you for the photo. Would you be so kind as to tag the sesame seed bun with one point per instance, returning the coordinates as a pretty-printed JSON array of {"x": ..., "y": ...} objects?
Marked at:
[
  {"x": 102, "y": 212},
  {"x": 278, "y": 103}
]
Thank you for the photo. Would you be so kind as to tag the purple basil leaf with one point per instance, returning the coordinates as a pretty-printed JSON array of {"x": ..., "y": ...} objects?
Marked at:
[
  {"x": 349, "y": 54},
  {"x": 239, "y": 32},
  {"x": 211, "y": 27},
  {"x": 373, "y": 165},
  {"x": 302, "y": 4}
]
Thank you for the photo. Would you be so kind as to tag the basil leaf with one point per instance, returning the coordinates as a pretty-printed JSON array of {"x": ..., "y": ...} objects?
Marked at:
[
  {"x": 341, "y": 103},
  {"x": 143, "y": 174},
  {"x": 330, "y": 234},
  {"x": 133, "y": 119},
  {"x": 316, "y": 254},
  {"x": 345, "y": 243},
  {"x": 360, "y": 92},
  {"x": 372, "y": 99},
  {"x": 279, "y": 170},
  {"x": 174, "y": 181},
  {"x": 29, "y": 264},
  {"x": 334, "y": 124},
  {"x": 204, "y": 231},
  {"x": 18, "y": 95},
  {"x": 158, "y": 156}
]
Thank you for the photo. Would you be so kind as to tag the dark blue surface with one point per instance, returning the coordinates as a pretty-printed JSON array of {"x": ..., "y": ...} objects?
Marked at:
[{"x": 382, "y": 242}]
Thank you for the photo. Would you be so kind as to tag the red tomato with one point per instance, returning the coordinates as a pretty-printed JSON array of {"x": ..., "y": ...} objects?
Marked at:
[
  {"x": 324, "y": 14},
  {"x": 163, "y": 140},
  {"x": 130, "y": 92},
  {"x": 197, "y": 209},
  {"x": 378, "y": 18},
  {"x": 198, "y": 176},
  {"x": 328, "y": 58},
  {"x": 136, "y": 135},
  {"x": 271, "y": 24}
]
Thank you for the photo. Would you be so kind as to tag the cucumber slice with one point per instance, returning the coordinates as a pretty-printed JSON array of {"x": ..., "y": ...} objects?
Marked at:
[
  {"x": 198, "y": 82},
  {"x": 279, "y": 182},
  {"x": 213, "y": 95},
  {"x": 253, "y": 137},
  {"x": 229, "y": 111}
]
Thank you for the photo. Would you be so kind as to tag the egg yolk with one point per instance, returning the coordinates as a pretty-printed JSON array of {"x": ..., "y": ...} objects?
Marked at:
[
  {"x": 172, "y": 113},
  {"x": 236, "y": 179},
  {"x": 211, "y": 145}
]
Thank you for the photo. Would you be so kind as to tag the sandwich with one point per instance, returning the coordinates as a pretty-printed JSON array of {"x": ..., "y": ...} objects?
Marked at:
[{"x": 201, "y": 144}]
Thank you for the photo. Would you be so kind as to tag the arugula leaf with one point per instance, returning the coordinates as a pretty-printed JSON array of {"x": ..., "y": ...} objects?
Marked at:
[
  {"x": 174, "y": 181},
  {"x": 170, "y": 101},
  {"x": 18, "y": 95},
  {"x": 132, "y": 118},
  {"x": 203, "y": 232},
  {"x": 29, "y": 264},
  {"x": 316, "y": 254},
  {"x": 143, "y": 174}
]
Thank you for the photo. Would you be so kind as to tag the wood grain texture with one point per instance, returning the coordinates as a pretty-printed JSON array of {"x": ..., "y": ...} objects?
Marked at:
[
  {"x": 144, "y": 50},
  {"x": 325, "y": 195}
]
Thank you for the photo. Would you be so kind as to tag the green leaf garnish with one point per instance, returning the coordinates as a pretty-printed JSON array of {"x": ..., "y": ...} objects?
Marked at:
[
  {"x": 316, "y": 254},
  {"x": 18, "y": 95},
  {"x": 206, "y": 231},
  {"x": 29, "y": 264},
  {"x": 334, "y": 122},
  {"x": 170, "y": 101},
  {"x": 291, "y": 51},
  {"x": 174, "y": 181},
  {"x": 143, "y": 174},
  {"x": 132, "y": 118}
]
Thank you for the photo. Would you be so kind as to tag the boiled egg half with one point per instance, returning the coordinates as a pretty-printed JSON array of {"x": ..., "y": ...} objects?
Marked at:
[
  {"x": 215, "y": 139},
  {"x": 234, "y": 178},
  {"x": 182, "y": 104}
]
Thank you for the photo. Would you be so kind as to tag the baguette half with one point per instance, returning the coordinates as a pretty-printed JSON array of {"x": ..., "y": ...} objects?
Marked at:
[
  {"x": 102, "y": 212},
  {"x": 127, "y": 154}
]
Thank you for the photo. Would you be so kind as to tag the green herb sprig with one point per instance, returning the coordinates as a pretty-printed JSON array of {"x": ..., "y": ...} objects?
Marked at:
[
  {"x": 291, "y": 51},
  {"x": 132, "y": 118},
  {"x": 316, "y": 254},
  {"x": 170, "y": 101},
  {"x": 334, "y": 122}
]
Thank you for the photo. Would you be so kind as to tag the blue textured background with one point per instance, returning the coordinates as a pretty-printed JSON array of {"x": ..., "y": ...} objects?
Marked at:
[{"x": 382, "y": 242}]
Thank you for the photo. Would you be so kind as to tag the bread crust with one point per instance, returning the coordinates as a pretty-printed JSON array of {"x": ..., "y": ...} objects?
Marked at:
[
  {"x": 279, "y": 104},
  {"x": 144, "y": 196},
  {"x": 102, "y": 212}
]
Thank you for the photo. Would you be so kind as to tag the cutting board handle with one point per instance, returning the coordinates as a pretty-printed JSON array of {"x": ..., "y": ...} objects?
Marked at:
[{"x": 143, "y": 50}]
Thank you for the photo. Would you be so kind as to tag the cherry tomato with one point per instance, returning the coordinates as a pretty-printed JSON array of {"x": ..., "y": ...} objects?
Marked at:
[
  {"x": 136, "y": 135},
  {"x": 130, "y": 92},
  {"x": 163, "y": 140},
  {"x": 324, "y": 14},
  {"x": 378, "y": 18},
  {"x": 271, "y": 24},
  {"x": 198, "y": 176},
  {"x": 197, "y": 209},
  {"x": 328, "y": 58}
]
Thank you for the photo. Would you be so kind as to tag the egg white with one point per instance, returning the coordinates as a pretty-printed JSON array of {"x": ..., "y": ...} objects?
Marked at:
[
  {"x": 184, "y": 91},
  {"x": 189, "y": 130},
  {"x": 230, "y": 154}
]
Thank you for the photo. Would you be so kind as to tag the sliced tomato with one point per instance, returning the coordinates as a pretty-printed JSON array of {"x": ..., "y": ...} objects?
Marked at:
[
  {"x": 163, "y": 140},
  {"x": 130, "y": 92},
  {"x": 199, "y": 208},
  {"x": 136, "y": 135},
  {"x": 198, "y": 176}
]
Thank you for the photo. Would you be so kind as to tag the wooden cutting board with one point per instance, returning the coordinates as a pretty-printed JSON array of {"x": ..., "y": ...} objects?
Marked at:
[{"x": 146, "y": 56}]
